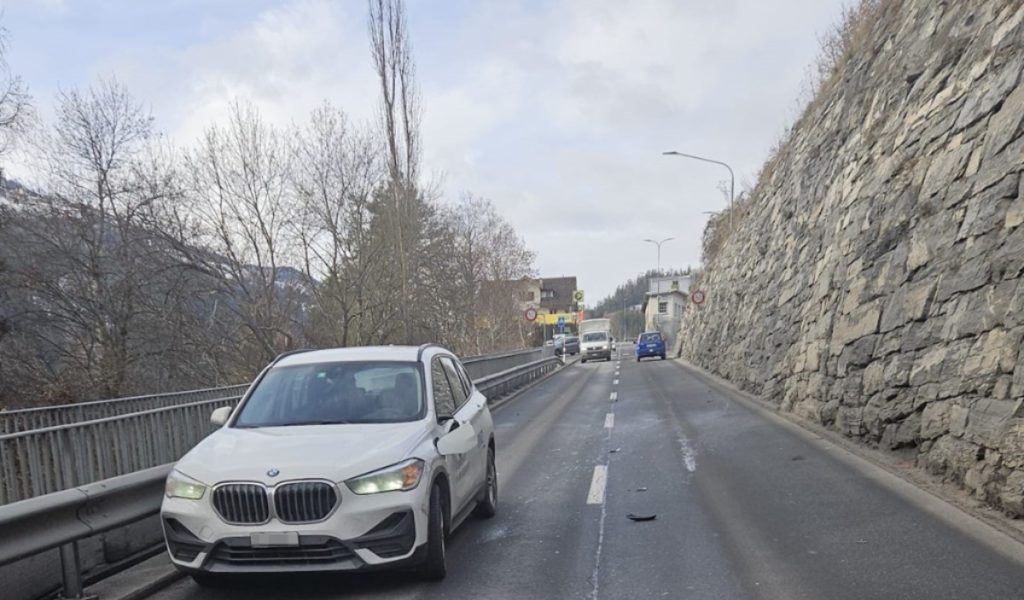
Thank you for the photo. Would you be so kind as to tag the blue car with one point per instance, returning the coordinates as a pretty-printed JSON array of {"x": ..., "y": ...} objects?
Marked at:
[{"x": 650, "y": 344}]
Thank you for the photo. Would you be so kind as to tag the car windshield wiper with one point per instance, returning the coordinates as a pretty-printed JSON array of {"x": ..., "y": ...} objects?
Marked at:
[{"x": 317, "y": 422}]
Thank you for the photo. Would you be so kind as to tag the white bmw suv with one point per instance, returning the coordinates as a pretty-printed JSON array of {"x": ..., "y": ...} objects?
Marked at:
[{"x": 344, "y": 459}]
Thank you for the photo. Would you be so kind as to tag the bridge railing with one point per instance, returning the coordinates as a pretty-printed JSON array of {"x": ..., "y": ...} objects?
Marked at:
[
  {"x": 57, "y": 457},
  {"x": 27, "y": 419}
]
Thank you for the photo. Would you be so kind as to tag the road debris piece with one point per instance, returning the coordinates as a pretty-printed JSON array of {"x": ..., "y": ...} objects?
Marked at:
[
  {"x": 614, "y": 450},
  {"x": 633, "y": 517}
]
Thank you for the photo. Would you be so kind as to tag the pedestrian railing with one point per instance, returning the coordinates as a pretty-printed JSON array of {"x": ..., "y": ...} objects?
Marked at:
[
  {"x": 55, "y": 448},
  {"x": 27, "y": 419},
  {"x": 47, "y": 460}
]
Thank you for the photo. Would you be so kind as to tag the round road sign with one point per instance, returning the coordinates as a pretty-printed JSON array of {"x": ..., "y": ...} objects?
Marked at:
[
  {"x": 531, "y": 314},
  {"x": 697, "y": 297}
]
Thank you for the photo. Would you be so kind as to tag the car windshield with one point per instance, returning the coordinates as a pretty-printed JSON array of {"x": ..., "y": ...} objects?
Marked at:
[
  {"x": 335, "y": 393},
  {"x": 650, "y": 338},
  {"x": 599, "y": 336}
]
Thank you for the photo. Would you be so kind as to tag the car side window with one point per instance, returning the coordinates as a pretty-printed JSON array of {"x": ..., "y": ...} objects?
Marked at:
[
  {"x": 466, "y": 381},
  {"x": 458, "y": 387},
  {"x": 444, "y": 401}
]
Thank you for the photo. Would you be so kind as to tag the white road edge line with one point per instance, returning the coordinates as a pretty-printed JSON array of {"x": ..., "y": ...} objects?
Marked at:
[
  {"x": 614, "y": 396},
  {"x": 609, "y": 420},
  {"x": 597, "y": 485}
]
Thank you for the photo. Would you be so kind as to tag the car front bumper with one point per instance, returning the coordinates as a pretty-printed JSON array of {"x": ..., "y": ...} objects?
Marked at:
[{"x": 365, "y": 532}]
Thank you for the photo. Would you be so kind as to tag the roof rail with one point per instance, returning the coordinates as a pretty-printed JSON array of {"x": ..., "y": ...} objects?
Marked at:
[
  {"x": 289, "y": 353},
  {"x": 423, "y": 348}
]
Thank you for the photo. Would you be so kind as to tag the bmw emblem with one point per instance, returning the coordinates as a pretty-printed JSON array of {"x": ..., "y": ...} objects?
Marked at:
[{"x": 273, "y": 473}]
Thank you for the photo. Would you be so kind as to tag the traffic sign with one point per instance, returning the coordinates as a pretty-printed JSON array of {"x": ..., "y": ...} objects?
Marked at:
[
  {"x": 531, "y": 314},
  {"x": 698, "y": 297},
  {"x": 578, "y": 295}
]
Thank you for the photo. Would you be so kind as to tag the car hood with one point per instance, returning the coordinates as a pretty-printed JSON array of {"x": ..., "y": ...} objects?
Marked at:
[{"x": 334, "y": 452}]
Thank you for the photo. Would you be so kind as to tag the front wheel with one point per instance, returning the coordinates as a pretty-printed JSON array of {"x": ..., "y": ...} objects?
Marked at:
[
  {"x": 487, "y": 506},
  {"x": 434, "y": 568}
]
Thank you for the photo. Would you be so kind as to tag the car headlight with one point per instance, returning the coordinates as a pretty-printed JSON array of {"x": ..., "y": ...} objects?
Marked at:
[
  {"x": 404, "y": 476},
  {"x": 180, "y": 485}
]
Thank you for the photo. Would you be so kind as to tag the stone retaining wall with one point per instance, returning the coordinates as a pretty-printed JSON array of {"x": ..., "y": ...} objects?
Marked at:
[{"x": 874, "y": 281}]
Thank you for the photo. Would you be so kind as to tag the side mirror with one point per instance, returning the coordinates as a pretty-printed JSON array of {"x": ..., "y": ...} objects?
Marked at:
[
  {"x": 459, "y": 440},
  {"x": 220, "y": 416}
]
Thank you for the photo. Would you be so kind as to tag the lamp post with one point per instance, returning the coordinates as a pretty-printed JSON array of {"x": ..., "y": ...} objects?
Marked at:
[
  {"x": 732, "y": 176},
  {"x": 658, "y": 243}
]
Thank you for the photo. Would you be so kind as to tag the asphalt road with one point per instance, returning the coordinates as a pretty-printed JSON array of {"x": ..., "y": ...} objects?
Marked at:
[{"x": 746, "y": 507}]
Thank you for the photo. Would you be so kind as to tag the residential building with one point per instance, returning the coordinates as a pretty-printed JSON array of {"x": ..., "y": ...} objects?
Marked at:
[{"x": 664, "y": 304}]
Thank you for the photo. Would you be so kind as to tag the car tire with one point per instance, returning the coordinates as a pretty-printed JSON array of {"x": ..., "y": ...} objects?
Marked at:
[
  {"x": 487, "y": 506},
  {"x": 638, "y": 359},
  {"x": 662, "y": 357},
  {"x": 434, "y": 567},
  {"x": 583, "y": 360}
]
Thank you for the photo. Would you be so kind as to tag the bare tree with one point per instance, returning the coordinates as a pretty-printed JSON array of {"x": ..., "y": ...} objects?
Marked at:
[
  {"x": 399, "y": 120},
  {"x": 490, "y": 258},
  {"x": 15, "y": 101},
  {"x": 336, "y": 172},
  {"x": 82, "y": 257},
  {"x": 233, "y": 230}
]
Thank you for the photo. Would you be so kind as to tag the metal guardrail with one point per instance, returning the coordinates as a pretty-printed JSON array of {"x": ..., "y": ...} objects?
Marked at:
[
  {"x": 43, "y": 461},
  {"x": 27, "y": 419},
  {"x": 483, "y": 366},
  {"x": 497, "y": 385},
  {"x": 63, "y": 518}
]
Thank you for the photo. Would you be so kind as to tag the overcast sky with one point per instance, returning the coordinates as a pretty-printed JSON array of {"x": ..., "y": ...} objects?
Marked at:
[{"x": 556, "y": 110}]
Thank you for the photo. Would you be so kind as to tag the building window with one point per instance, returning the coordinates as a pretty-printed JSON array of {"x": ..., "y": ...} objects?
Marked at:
[
  {"x": 662, "y": 308},
  {"x": 547, "y": 294},
  {"x": 527, "y": 296}
]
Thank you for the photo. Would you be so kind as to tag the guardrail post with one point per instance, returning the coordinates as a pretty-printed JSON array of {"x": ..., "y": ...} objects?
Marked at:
[{"x": 71, "y": 573}]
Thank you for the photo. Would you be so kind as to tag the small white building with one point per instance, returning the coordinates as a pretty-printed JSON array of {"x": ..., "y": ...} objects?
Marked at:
[{"x": 664, "y": 303}]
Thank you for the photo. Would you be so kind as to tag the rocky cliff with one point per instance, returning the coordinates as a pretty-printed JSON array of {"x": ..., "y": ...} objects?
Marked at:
[{"x": 873, "y": 281}]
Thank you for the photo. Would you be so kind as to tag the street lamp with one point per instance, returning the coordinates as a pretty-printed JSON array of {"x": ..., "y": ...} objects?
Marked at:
[
  {"x": 732, "y": 176},
  {"x": 658, "y": 244}
]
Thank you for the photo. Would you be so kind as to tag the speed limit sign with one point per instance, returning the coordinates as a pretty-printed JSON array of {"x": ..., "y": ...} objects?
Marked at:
[
  {"x": 697, "y": 297},
  {"x": 531, "y": 314}
]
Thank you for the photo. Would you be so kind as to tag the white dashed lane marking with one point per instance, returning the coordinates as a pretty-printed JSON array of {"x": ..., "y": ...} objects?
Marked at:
[
  {"x": 614, "y": 396},
  {"x": 609, "y": 420},
  {"x": 597, "y": 485}
]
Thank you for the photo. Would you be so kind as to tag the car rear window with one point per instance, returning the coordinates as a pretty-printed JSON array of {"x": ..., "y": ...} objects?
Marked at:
[{"x": 650, "y": 338}]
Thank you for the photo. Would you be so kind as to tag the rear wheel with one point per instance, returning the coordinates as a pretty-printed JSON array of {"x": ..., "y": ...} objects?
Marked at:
[
  {"x": 487, "y": 506},
  {"x": 662, "y": 357},
  {"x": 434, "y": 567},
  {"x": 638, "y": 359}
]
